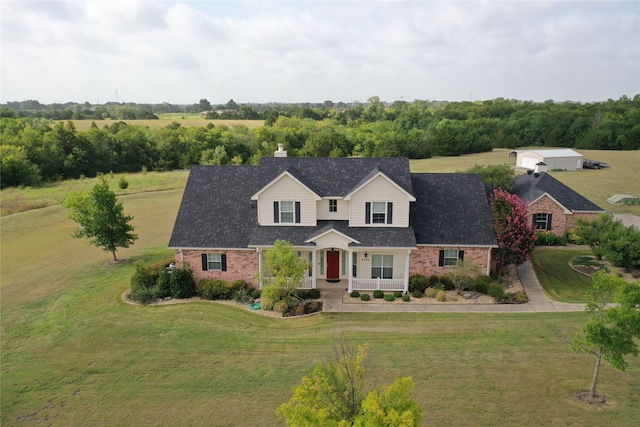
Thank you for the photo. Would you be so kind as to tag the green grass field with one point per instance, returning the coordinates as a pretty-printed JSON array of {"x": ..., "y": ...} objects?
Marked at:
[
  {"x": 559, "y": 281},
  {"x": 186, "y": 120},
  {"x": 595, "y": 185},
  {"x": 73, "y": 353}
]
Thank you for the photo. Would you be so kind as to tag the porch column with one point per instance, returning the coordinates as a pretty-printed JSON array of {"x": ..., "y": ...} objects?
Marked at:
[
  {"x": 406, "y": 271},
  {"x": 260, "y": 268},
  {"x": 350, "y": 269},
  {"x": 314, "y": 267}
]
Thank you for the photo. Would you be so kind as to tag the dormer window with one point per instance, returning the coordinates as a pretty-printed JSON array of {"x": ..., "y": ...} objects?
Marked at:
[
  {"x": 379, "y": 213},
  {"x": 286, "y": 212},
  {"x": 333, "y": 205}
]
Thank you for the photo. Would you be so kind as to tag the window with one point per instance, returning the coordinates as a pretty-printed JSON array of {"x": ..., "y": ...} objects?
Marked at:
[
  {"x": 382, "y": 266},
  {"x": 542, "y": 221},
  {"x": 354, "y": 264},
  {"x": 378, "y": 213},
  {"x": 344, "y": 263},
  {"x": 450, "y": 257},
  {"x": 286, "y": 212},
  {"x": 321, "y": 269},
  {"x": 310, "y": 264},
  {"x": 333, "y": 205},
  {"x": 214, "y": 262}
]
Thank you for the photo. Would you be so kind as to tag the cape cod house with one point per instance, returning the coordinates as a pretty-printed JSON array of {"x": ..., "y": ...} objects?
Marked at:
[
  {"x": 552, "y": 205},
  {"x": 367, "y": 223}
]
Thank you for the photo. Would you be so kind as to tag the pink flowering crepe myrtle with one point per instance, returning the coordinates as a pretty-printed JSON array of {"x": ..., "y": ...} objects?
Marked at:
[{"x": 515, "y": 233}]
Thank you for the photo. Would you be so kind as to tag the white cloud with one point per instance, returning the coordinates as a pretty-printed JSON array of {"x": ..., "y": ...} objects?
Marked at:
[{"x": 154, "y": 51}]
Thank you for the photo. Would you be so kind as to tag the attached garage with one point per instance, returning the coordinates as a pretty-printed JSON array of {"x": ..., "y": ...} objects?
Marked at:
[{"x": 557, "y": 159}]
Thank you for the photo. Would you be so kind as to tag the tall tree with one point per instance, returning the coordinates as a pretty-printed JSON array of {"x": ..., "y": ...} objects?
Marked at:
[
  {"x": 514, "y": 231},
  {"x": 500, "y": 176},
  {"x": 611, "y": 329},
  {"x": 101, "y": 218}
]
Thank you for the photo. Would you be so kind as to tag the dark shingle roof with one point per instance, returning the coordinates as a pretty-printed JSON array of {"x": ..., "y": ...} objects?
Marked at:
[
  {"x": 530, "y": 187},
  {"x": 216, "y": 211},
  {"x": 329, "y": 176},
  {"x": 366, "y": 236},
  {"x": 451, "y": 209}
]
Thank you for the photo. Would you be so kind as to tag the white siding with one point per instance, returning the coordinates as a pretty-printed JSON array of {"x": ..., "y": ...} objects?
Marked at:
[
  {"x": 286, "y": 188},
  {"x": 379, "y": 190},
  {"x": 341, "y": 214},
  {"x": 332, "y": 240}
]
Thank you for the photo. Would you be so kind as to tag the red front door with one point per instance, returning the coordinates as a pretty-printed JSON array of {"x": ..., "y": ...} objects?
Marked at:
[{"x": 333, "y": 265}]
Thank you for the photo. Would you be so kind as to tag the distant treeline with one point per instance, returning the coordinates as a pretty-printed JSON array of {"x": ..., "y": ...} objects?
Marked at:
[{"x": 35, "y": 149}]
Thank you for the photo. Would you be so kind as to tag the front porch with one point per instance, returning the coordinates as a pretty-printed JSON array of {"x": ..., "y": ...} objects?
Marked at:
[{"x": 356, "y": 285}]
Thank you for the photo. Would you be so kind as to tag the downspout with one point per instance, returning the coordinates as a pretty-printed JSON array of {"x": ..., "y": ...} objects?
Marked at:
[
  {"x": 489, "y": 261},
  {"x": 259, "y": 268}
]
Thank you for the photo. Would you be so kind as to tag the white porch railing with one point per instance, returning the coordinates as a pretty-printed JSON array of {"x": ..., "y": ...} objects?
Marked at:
[
  {"x": 307, "y": 283},
  {"x": 375, "y": 284}
]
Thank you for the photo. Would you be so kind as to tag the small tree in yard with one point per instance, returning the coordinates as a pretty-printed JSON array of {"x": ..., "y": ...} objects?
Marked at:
[
  {"x": 101, "y": 218},
  {"x": 463, "y": 275},
  {"x": 611, "y": 329},
  {"x": 334, "y": 395},
  {"x": 609, "y": 238},
  {"x": 283, "y": 270},
  {"x": 514, "y": 231}
]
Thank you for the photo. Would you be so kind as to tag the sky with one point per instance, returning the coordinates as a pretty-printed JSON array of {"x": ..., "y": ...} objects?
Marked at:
[{"x": 311, "y": 51}]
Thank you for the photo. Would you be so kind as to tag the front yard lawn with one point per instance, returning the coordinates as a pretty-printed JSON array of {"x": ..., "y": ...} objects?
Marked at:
[{"x": 559, "y": 281}]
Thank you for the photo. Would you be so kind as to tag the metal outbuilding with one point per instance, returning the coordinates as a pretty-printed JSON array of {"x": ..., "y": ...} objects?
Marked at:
[{"x": 554, "y": 159}]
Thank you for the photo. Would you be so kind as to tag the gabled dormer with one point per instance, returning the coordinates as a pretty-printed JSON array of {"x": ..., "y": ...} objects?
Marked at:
[
  {"x": 378, "y": 201},
  {"x": 287, "y": 200}
]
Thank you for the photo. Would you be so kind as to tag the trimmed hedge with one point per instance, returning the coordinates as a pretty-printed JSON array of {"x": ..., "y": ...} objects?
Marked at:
[
  {"x": 418, "y": 282},
  {"x": 378, "y": 293},
  {"x": 365, "y": 297},
  {"x": 355, "y": 294}
]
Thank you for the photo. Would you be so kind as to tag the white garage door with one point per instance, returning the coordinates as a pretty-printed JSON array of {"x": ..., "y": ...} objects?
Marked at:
[{"x": 528, "y": 162}]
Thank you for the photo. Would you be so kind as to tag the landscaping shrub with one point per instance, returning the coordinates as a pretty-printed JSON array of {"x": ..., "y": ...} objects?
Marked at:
[
  {"x": 573, "y": 237},
  {"x": 242, "y": 295},
  {"x": 447, "y": 283},
  {"x": 389, "y": 298},
  {"x": 143, "y": 295},
  {"x": 142, "y": 277},
  {"x": 314, "y": 294},
  {"x": 482, "y": 284},
  {"x": 514, "y": 298},
  {"x": 431, "y": 292},
  {"x": 548, "y": 238},
  {"x": 406, "y": 298},
  {"x": 417, "y": 294},
  {"x": 355, "y": 294},
  {"x": 270, "y": 295},
  {"x": 163, "y": 288},
  {"x": 302, "y": 293},
  {"x": 255, "y": 294},
  {"x": 216, "y": 289},
  {"x": 182, "y": 283},
  {"x": 496, "y": 291},
  {"x": 378, "y": 293},
  {"x": 397, "y": 294},
  {"x": 441, "y": 296},
  {"x": 280, "y": 306},
  {"x": 365, "y": 297},
  {"x": 418, "y": 282},
  {"x": 434, "y": 279}
]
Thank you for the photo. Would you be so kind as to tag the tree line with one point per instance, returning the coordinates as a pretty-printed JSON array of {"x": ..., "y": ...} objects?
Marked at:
[{"x": 36, "y": 149}]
